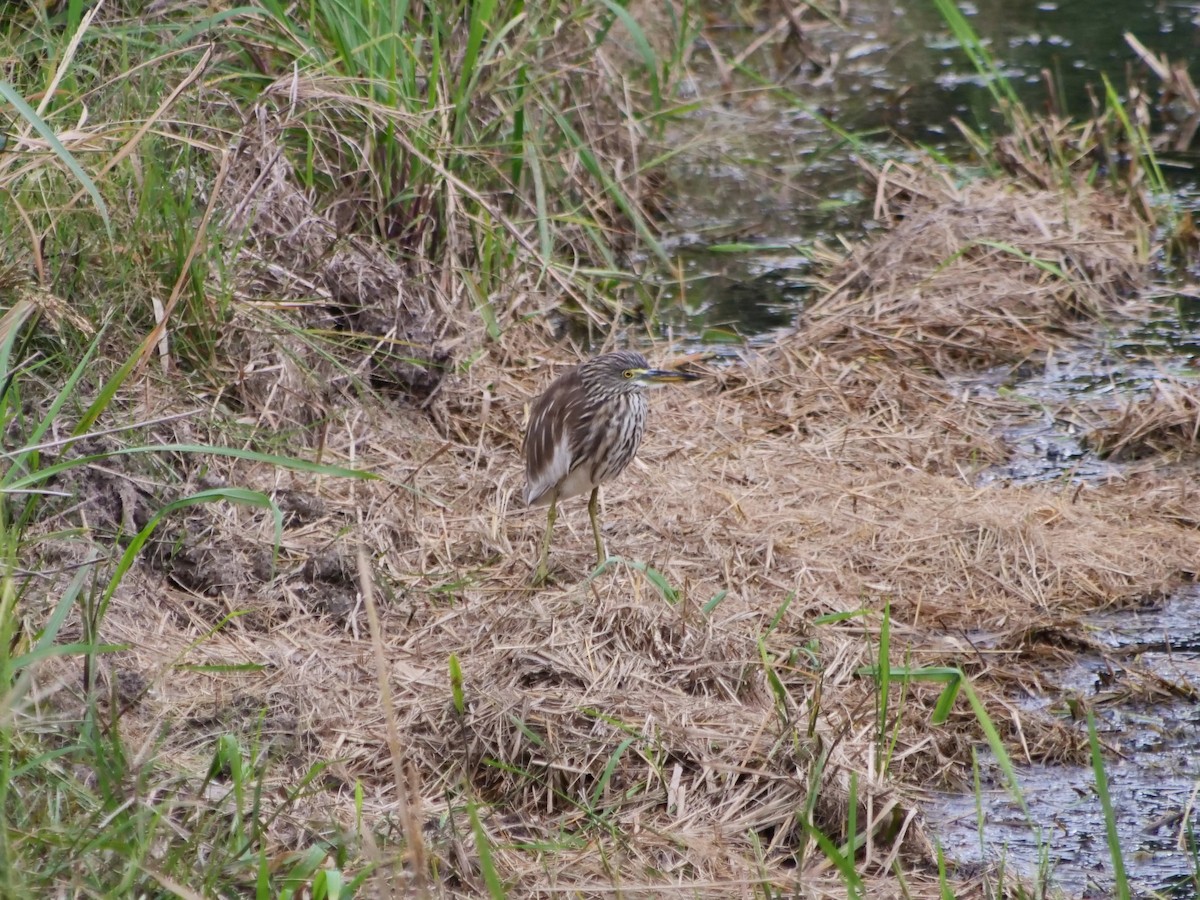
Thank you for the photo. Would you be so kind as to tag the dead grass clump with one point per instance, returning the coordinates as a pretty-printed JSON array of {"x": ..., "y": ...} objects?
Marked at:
[
  {"x": 970, "y": 276},
  {"x": 866, "y": 412},
  {"x": 556, "y": 686},
  {"x": 1167, "y": 420},
  {"x": 370, "y": 310},
  {"x": 1175, "y": 498}
]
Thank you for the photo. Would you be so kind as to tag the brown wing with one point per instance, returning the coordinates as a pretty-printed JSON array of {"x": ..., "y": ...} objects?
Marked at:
[{"x": 554, "y": 419}]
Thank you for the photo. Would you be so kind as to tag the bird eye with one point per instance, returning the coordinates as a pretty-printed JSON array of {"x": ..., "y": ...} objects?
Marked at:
[{"x": 628, "y": 373}]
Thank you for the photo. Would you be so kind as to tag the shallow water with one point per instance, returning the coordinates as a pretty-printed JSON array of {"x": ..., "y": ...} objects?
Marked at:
[
  {"x": 767, "y": 181},
  {"x": 1045, "y": 443},
  {"x": 1152, "y": 782}
]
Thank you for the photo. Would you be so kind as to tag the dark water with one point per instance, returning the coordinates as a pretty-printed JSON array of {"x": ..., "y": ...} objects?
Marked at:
[
  {"x": 1153, "y": 777},
  {"x": 765, "y": 182},
  {"x": 1048, "y": 49},
  {"x": 1045, "y": 441},
  {"x": 765, "y": 179}
]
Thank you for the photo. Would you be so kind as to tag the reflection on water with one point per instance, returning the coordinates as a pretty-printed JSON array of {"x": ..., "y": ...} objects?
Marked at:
[
  {"x": 1068, "y": 43},
  {"x": 1152, "y": 781},
  {"x": 1175, "y": 332},
  {"x": 1045, "y": 441},
  {"x": 726, "y": 298},
  {"x": 761, "y": 169}
]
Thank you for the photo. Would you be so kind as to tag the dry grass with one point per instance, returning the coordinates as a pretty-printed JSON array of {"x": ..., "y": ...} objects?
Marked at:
[
  {"x": 1167, "y": 421},
  {"x": 618, "y": 741},
  {"x": 988, "y": 272},
  {"x": 293, "y": 256},
  {"x": 557, "y": 680}
]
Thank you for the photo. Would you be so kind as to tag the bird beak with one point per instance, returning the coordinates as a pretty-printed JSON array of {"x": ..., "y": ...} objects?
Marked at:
[{"x": 664, "y": 376}]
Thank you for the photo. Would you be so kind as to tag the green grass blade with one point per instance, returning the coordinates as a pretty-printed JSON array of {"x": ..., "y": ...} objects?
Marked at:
[
  {"x": 10, "y": 329},
  {"x": 945, "y": 703},
  {"x": 530, "y": 735},
  {"x": 9, "y": 93},
  {"x": 611, "y": 188},
  {"x": 999, "y": 86},
  {"x": 235, "y": 495},
  {"x": 844, "y": 864},
  {"x": 482, "y": 12},
  {"x": 609, "y": 768},
  {"x": 945, "y": 892},
  {"x": 832, "y": 618},
  {"x": 780, "y": 613},
  {"x": 1120, "y": 879},
  {"x": 43, "y": 128},
  {"x": 210, "y": 23},
  {"x": 851, "y": 846},
  {"x": 545, "y": 241},
  {"x": 1044, "y": 265},
  {"x": 456, "y": 685},
  {"x": 884, "y": 674},
  {"x": 997, "y": 746},
  {"x": 778, "y": 689},
  {"x": 715, "y": 601},
  {"x": 642, "y": 44},
  {"x": 45, "y": 645},
  {"x": 517, "y": 140},
  {"x": 1137, "y": 137},
  {"x": 22, "y": 455},
  {"x": 655, "y": 577},
  {"x": 285, "y": 462},
  {"x": 487, "y": 867},
  {"x": 107, "y": 393}
]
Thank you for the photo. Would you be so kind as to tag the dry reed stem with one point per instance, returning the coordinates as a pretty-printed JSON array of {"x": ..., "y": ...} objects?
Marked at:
[{"x": 1167, "y": 421}]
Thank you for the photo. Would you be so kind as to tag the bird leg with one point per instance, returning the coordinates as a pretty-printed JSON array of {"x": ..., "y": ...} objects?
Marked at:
[
  {"x": 593, "y": 504},
  {"x": 543, "y": 569}
]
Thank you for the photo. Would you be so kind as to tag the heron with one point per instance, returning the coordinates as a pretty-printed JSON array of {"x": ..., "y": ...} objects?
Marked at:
[{"x": 584, "y": 430}]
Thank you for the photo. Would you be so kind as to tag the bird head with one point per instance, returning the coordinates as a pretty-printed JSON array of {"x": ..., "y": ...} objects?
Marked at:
[{"x": 628, "y": 371}]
